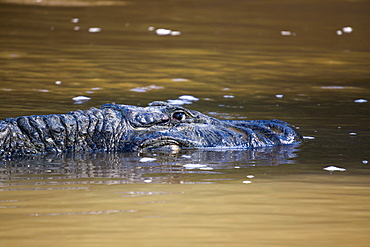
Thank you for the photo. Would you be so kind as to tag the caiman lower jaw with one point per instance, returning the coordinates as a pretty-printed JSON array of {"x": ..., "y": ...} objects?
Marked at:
[{"x": 161, "y": 145}]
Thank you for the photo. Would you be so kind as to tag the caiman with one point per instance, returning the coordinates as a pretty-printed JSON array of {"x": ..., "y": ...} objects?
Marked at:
[{"x": 115, "y": 127}]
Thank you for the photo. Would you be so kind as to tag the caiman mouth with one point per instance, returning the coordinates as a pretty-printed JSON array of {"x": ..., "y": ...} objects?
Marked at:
[{"x": 164, "y": 143}]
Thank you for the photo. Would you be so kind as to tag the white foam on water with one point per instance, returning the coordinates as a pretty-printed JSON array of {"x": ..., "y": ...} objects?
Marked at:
[
  {"x": 147, "y": 159},
  {"x": 332, "y": 87},
  {"x": 162, "y": 31},
  {"x": 81, "y": 98},
  {"x": 334, "y": 168},
  {"x": 175, "y": 33},
  {"x": 194, "y": 166},
  {"x": 347, "y": 29},
  {"x": 179, "y": 79},
  {"x": 308, "y": 137},
  {"x": 177, "y": 102},
  {"x": 286, "y": 33},
  {"x": 188, "y": 97},
  {"x": 75, "y": 20},
  {"x": 94, "y": 29},
  {"x": 360, "y": 101}
]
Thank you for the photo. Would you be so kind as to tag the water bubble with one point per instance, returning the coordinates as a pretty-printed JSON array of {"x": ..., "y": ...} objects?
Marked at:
[
  {"x": 147, "y": 159},
  {"x": 145, "y": 89},
  {"x": 347, "y": 29},
  {"x": 247, "y": 182},
  {"x": 175, "y": 33},
  {"x": 183, "y": 100},
  {"x": 334, "y": 168},
  {"x": 206, "y": 168},
  {"x": 309, "y": 137},
  {"x": 80, "y": 99},
  {"x": 332, "y": 87},
  {"x": 286, "y": 33},
  {"x": 177, "y": 102},
  {"x": 194, "y": 166},
  {"x": 179, "y": 79},
  {"x": 360, "y": 101},
  {"x": 188, "y": 97},
  {"x": 163, "y": 32},
  {"x": 94, "y": 29},
  {"x": 75, "y": 20}
]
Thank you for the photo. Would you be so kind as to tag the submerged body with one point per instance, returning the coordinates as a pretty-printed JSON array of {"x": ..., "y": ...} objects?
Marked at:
[{"x": 116, "y": 127}]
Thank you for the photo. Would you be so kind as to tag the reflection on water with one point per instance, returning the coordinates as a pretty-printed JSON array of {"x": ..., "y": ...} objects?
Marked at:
[
  {"x": 135, "y": 167},
  {"x": 304, "y": 62}
]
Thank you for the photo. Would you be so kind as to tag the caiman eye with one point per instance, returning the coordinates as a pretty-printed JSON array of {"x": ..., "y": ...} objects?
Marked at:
[{"x": 180, "y": 116}]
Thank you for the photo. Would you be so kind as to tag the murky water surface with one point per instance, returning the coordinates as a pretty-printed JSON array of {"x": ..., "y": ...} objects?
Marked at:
[{"x": 305, "y": 62}]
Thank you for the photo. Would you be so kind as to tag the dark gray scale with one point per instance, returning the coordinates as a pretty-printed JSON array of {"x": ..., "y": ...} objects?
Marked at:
[
  {"x": 57, "y": 131},
  {"x": 32, "y": 133},
  {"x": 83, "y": 123},
  {"x": 96, "y": 130},
  {"x": 39, "y": 124},
  {"x": 70, "y": 123},
  {"x": 5, "y": 137},
  {"x": 92, "y": 129},
  {"x": 118, "y": 126}
]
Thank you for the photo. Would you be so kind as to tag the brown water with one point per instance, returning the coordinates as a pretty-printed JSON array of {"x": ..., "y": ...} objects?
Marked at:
[{"x": 235, "y": 56}]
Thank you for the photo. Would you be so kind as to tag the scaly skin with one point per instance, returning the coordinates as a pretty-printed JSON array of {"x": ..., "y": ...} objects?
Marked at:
[{"x": 130, "y": 128}]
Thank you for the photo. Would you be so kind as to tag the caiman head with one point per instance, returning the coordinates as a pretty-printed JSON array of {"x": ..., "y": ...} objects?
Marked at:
[{"x": 168, "y": 127}]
